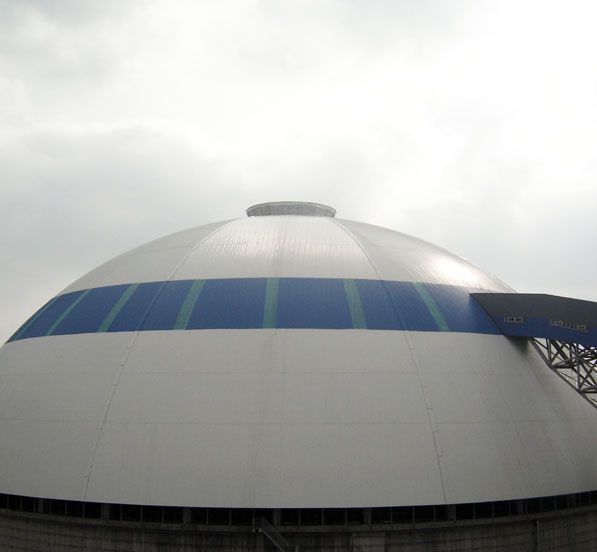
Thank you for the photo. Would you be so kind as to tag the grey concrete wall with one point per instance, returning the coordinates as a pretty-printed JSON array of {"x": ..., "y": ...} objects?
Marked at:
[{"x": 574, "y": 531}]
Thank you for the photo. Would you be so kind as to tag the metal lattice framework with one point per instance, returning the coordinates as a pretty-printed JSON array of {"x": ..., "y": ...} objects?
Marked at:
[{"x": 576, "y": 364}]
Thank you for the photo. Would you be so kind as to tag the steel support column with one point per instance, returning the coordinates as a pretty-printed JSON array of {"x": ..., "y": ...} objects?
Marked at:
[{"x": 576, "y": 364}]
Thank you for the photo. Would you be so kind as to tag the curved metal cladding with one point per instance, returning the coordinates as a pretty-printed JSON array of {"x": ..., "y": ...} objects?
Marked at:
[{"x": 284, "y": 361}]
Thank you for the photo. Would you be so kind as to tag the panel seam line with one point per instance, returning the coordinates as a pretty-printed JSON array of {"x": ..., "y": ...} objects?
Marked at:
[
  {"x": 415, "y": 358},
  {"x": 127, "y": 352}
]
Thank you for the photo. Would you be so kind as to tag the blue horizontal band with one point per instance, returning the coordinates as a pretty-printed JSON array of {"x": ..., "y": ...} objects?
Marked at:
[{"x": 237, "y": 303}]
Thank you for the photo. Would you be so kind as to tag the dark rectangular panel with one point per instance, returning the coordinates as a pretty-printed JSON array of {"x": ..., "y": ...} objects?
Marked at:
[
  {"x": 20, "y": 333},
  {"x": 41, "y": 322},
  {"x": 411, "y": 307},
  {"x": 313, "y": 303},
  {"x": 89, "y": 313},
  {"x": 130, "y": 317},
  {"x": 233, "y": 303},
  {"x": 379, "y": 311},
  {"x": 539, "y": 315},
  {"x": 539, "y": 305},
  {"x": 166, "y": 307}
]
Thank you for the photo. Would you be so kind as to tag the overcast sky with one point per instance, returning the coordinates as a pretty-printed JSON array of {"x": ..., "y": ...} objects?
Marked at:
[{"x": 472, "y": 124}]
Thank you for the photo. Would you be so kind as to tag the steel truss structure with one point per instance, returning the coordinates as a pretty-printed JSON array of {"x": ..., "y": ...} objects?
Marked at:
[{"x": 576, "y": 364}]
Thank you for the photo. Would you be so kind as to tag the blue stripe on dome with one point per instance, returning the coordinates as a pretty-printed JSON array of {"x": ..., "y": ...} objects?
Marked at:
[
  {"x": 90, "y": 311},
  {"x": 163, "y": 313},
  {"x": 34, "y": 318},
  {"x": 316, "y": 303},
  {"x": 461, "y": 311},
  {"x": 378, "y": 308},
  {"x": 411, "y": 307},
  {"x": 232, "y": 304},
  {"x": 43, "y": 320},
  {"x": 313, "y": 303},
  {"x": 134, "y": 311}
]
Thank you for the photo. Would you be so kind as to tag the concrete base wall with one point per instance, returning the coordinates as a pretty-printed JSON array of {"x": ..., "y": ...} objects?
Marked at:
[{"x": 574, "y": 531}]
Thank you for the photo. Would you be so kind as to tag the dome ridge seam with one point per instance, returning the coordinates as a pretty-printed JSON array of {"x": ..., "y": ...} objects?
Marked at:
[
  {"x": 416, "y": 362},
  {"x": 125, "y": 357}
]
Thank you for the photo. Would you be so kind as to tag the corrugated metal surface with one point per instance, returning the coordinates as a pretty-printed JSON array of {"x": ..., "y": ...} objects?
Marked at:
[
  {"x": 289, "y": 246},
  {"x": 290, "y": 417}
]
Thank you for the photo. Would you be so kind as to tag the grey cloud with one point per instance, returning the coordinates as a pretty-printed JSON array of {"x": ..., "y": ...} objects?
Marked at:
[
  {"x": 60, "y": 40},
  {"x": 74, "y": 198},
  {"x": 125, "y": 121},
  {"x": 66, "y": 11}
]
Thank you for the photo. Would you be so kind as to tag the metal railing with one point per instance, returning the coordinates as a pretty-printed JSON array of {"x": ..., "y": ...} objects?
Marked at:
[{"x": 261, "y": 525}]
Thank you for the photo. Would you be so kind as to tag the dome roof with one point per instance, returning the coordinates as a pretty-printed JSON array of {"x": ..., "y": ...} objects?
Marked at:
[{"x": 287, "y": 360}]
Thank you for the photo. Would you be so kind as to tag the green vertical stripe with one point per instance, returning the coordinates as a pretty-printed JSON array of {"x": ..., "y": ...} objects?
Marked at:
[
  {"x": 188, "y": 305},
  {"x": 432, "y": 307},
  {"x": 67, "y": 312},
  {"x": 26, "y": 326},
  {"x": 105, "y": 325},
  {"x": 270, "y": 310},
  {"x": 354, "y": 304}
]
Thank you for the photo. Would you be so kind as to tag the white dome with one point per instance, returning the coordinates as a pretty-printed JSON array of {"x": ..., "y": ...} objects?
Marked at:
[{"x": 284, "y": 361}]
